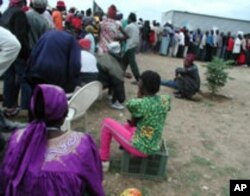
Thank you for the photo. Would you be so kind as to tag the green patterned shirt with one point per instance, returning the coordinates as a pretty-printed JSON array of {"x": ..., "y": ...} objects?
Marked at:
[{"x": 152, "y": 112}]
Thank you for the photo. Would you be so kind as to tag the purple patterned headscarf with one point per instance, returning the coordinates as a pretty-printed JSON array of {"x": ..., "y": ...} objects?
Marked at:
[{"x": 28, "y": 153}]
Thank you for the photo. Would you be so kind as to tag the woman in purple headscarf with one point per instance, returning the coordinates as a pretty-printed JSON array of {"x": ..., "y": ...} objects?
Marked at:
[{"x": 42, "y": 160}]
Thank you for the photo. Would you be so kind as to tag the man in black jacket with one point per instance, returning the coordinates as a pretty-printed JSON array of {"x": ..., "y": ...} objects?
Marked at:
[
  {"x": 187, "y": 79},
  {"x": 15, "y": 20}
]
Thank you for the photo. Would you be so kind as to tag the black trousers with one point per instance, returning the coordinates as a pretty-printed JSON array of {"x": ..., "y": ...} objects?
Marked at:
[
  {"x": 180, "y": 51},
  {"x": 88, "y": 77},
  {"x": 115, "y": 86},
  {"x": 129, "y": 59}
]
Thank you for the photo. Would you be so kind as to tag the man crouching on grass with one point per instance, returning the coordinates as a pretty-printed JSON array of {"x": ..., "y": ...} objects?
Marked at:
[{"x": 187, "y": 79}]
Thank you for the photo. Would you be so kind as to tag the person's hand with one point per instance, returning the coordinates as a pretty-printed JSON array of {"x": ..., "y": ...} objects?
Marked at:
[
  {"x": 128, "y": 75},
  {"x": 178, "y": 76},
  {"x": 133, "y": 121},
  {"x": 130, "y": 122},
  {"x": 120, "y": 28},
  {"x": 139, "y": 94}
]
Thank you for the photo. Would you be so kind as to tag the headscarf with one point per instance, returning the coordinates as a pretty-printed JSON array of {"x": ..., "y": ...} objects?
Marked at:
[
  {"x": 61, "y": 5},
  {"x": 29, "y": 152},
  {"x": 112, "y": 11},
  {"x": 97, "y": 19},
  {"x": 85, "y": 44},
  {"x": 15, "y": 2},
  {"x": 55, "y": 59},
  {"x": 39, "y": 3},
  {"x": 89, "y": 29}
]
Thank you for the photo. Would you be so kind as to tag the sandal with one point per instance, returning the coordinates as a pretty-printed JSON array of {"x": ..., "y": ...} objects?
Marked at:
[{"x": 9, "y": 113}]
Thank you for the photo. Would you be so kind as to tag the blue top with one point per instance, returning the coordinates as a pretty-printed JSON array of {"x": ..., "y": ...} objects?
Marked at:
[
  {"x": 209, "y": 40},
  {"x": 55, "y": 59}
]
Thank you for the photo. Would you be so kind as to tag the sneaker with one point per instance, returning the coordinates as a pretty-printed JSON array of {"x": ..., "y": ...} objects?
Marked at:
[
  {"x": 105, "y": 166},
  {"x": 11, "y": 112},
  {"x": 117, "y": 105}
]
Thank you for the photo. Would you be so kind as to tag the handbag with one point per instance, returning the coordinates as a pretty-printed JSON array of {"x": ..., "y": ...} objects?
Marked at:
[{"x": 114, "y": 47}]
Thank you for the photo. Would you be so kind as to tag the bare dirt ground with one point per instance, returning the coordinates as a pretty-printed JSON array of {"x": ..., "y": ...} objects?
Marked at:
[{"x": 208, "y": 140}]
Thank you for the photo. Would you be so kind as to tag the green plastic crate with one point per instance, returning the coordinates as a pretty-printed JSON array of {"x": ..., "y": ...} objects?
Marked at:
[{"x": 153, "y": 167}]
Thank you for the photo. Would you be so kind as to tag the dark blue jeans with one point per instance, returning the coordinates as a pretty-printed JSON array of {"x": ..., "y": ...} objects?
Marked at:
[
  {"x": 169, "y": 83},
  {"x": 14, "y": 80},
  {"x": 145, "y": 46}
]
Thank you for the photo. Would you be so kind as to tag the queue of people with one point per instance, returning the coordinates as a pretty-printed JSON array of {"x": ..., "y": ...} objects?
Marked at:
[{"x": 178, "y": 42}]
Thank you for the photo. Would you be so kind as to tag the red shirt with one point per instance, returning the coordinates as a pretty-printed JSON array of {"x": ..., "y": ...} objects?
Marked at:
[
  {"x": 58, "y": 20},
  {"x": 230, "y": 44}
]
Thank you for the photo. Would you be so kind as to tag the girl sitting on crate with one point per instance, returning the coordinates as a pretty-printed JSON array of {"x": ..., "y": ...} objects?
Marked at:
[{"x": 141, "y": 135}]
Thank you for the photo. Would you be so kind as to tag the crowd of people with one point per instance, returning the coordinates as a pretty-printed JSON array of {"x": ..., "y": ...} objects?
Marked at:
[
  {"x": 104, "y": 32},
  {"x": 46, "y": 53},
  {"x": 46, "y": 56},
  {"x": 178, "y": 42}
]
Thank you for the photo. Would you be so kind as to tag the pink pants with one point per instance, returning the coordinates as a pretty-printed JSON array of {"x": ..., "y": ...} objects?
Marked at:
[{"x": 122, "y": 134}]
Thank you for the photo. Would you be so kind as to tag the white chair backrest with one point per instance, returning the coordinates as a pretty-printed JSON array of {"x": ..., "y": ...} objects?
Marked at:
[{"x": 84, "y": 98}]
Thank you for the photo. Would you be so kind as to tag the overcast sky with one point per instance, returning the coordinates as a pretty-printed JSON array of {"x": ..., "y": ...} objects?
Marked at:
[{"x": 153, "y": 9}]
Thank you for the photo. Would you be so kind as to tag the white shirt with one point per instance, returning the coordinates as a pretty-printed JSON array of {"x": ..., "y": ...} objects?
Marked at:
[
  {"x": 203, "y": 41},
  {"x": 244, "y": 44},
  {"x": 182, "y": 39},
  {"x": 49, "y": 18},
  {"x": 88, "y": 62},
  {"x": 9, "y": 49},
  {"x": 132, "y": 31},
  {"x": 215, "y": 40},
  {"x": 237, "y": 45}
]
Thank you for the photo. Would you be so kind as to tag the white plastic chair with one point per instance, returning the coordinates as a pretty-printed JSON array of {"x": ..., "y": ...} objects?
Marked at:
[{"x": 80, "y": 102}]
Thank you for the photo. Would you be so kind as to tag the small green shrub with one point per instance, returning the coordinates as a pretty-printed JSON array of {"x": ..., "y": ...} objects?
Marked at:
[{"x": 216, "y": 74}]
